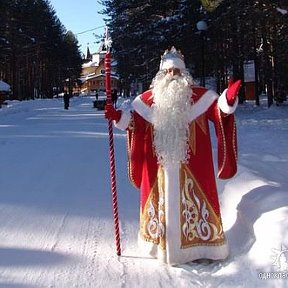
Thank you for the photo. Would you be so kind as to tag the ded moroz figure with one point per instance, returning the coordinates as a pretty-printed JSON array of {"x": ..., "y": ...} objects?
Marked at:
[{"x": 170, "y": 161}]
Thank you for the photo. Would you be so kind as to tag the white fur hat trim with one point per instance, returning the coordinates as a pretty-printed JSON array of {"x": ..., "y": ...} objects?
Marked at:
[{"x": 173, "y": 62}]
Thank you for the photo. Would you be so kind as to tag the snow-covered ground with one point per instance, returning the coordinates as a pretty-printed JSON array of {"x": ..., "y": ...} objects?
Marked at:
[{"x": 56, "y": 223}]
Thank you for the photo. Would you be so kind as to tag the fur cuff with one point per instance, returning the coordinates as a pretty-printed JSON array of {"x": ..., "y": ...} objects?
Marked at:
[
  {"x": 223, "y": 105},
  {"x": 123, "y": 123}
]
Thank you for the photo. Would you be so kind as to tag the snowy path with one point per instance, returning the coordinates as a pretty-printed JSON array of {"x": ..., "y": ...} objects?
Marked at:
[{"x": 56, "y": 226}]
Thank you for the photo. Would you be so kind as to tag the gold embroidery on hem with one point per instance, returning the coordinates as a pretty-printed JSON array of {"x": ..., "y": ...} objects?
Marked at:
[
  {"x": 152, "y": 218},
  {"x": 199, "y": 223},
  {"x": 204, "y": 244}
]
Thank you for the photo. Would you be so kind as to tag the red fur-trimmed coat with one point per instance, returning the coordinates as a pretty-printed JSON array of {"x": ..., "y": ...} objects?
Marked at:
[{"x": 180, "y": 218}]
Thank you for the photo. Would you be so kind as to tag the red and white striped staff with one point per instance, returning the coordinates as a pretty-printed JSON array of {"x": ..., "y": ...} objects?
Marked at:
[{"x": 108, "y": 43}]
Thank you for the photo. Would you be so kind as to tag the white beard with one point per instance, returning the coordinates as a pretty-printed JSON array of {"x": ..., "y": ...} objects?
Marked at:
[{"x": 172, "y": 103}]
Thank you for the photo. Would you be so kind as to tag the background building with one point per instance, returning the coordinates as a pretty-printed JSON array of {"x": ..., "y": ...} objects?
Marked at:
[{"x": 93, "y": 72}]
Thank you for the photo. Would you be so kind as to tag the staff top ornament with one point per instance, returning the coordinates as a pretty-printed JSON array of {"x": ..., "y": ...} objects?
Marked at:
[{"x": 108, "y": 41}]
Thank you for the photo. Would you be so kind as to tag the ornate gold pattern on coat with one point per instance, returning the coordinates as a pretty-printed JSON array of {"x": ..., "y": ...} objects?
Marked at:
[
  {"x": 152, "y": 220},
  {"x": 130, "y": 143},
  {"x": 199, "y": 223},
  {"x": 200, "y": 121},
  {"x": 223, "y": 141},
  {"x": 152, "y": 137},
  {"x": 234, "y": 141}
]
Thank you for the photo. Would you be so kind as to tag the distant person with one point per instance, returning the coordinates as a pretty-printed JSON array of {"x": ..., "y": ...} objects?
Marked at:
[
  {"x": 114, "y": 97},
  {"x": 96, "y": 95},
  {"x": 66, "y": 100},
  {"x": 280, "y": 95}
]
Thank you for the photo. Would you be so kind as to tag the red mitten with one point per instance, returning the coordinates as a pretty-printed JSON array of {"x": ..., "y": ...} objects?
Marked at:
[
  {"x": 232, "y": 91},
  {"x": 111, "y": 113}
]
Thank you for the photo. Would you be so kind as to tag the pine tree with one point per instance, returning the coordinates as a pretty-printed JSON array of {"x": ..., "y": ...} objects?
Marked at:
[
  {"x": 237, "y": 31},
  {"x": 32, "y": 40},
  {"x": 143, "y": 30}
]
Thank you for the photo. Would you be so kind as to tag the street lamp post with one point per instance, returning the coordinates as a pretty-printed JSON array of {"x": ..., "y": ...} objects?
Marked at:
[{"x": 202, "y": 28}]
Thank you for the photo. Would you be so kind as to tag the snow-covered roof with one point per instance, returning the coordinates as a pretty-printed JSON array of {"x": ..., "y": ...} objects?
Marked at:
[
  {"x": 94, "y": 75},
  {"x": 90, "y": 64},
  {"x": 4, "y": 86}
]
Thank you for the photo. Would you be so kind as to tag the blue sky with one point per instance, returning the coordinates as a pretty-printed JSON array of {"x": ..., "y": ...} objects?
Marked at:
[{"x": 81, "y": 16}]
